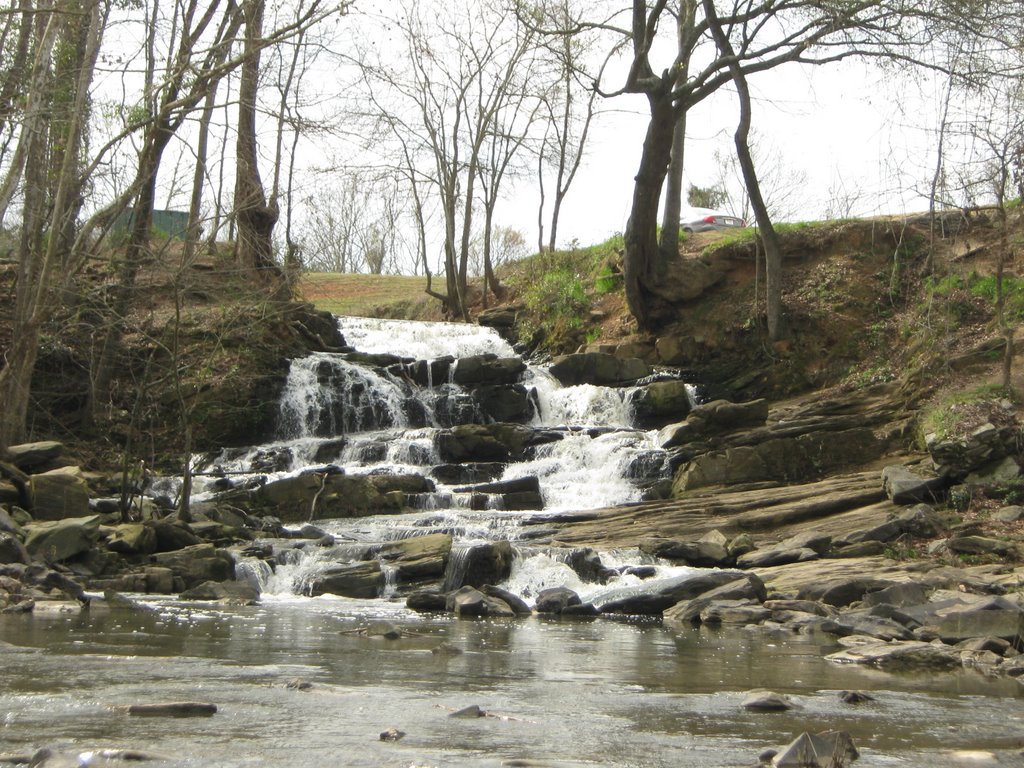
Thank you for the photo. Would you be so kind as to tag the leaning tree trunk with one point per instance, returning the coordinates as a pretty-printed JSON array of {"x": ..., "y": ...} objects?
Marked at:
[
  {"x": 254, "y": 217},
  {"x": 769, "y": 238},
  {"x": 643, "y": 260}
]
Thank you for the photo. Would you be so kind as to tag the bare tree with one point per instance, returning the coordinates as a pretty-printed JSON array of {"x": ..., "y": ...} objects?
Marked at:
[{"x": 764, "y": 34}]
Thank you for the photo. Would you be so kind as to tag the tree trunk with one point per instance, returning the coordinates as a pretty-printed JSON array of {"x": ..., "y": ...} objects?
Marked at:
[
  {"x": 643, "y": 260},
  {"x": 255, "y": 218},
  {"x": 670, "y": 223},
  {"x": 769, "y": 238}
]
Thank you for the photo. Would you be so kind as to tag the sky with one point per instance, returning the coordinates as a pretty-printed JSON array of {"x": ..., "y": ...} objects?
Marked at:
[{"x": 862, "y": 137}]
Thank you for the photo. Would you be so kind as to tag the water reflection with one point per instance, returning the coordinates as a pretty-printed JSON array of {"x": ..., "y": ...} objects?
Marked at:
[{"x": 608, "y": 693}]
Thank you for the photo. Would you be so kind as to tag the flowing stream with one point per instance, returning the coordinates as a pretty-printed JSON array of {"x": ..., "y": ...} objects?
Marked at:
[{"x": 604, "y": 692}]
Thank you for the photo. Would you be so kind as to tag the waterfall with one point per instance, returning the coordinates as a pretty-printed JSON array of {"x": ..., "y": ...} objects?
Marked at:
[{"x": 388, "y": 419}]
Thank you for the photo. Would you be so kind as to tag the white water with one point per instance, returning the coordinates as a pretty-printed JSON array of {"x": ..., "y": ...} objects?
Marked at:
[{"x": 365, "y": 420}]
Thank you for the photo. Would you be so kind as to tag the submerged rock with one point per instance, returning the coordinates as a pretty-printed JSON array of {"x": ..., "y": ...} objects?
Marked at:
[
  {"x": 173, "y": 709},
  {"x": 766, "y": 701}
]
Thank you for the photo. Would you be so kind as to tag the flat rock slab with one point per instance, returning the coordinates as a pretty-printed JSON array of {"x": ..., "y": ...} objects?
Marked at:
[
  {"x": 173, "y": 709},
  {"x": 899, "y": 655}
]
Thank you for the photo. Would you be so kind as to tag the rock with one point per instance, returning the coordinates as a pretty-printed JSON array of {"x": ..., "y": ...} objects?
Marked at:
[
  {"x": 484, "y": 442},
  {"x": 964, "y": 616},
  {"x": 8, "y": 524},
  {"x": 556, "y": 600},
  {"x": 467, "y": 601},
  {"x": 652, "y": 598},
  {"x": 471, "y": 712},
  {"x": 522, "y": 493},
  {"x": 660, "y": 403},
  {"x": 766, "y": 558},
  {"x": 299, "y": 685},
  {"x": 855, "y": 697},
  {"x": 445, "y": 649},
  {"x": 741, "y": 545},
  {"x": 829, "y": 749},
  {"x": 905, "y": 486},
  {"x": 60, "y": 540},
  {"x": 714, "y": 418},
  {"x": 479, "y": 564},
  {"x": 59, "y": 494},
  {"x": 997, "y": 474},
  {"x": 859, "y": 623},
  {"x": 198, "y": 563},
  {"x": 996, "y": 645},
  {"x": 467, "y": 474},
  {"x": 118, "y": 601},
  {"x": 222, "y": 590},
  {"x": 750, "y": 589},
  {"x": 173, "y": 709},
  {"x": 391, "y": 734},
  {"x": 981, "y": 545},
  {"x": 899, "y": 595},
  {"x": 31, "y": 456},
  {"x": 699, "y": 554},
  {"x": 816, "y": 540},
  {"x": 12, "y": 550},
  {"x": 861, "y": 549},
  {"x": 740, "y": 612},
  {"x": 919, "y": 521},
  {"x": 507, "y": 403},
  {"x": 516, "y": 603},
  {"x": 1009, "y": 514},
  {"x": 172, "y": 536},
  {"x": 598, "y": 368},
  {"x": 358, "y": 580},
  {"x": 899, "y": 655},
  {"x": 787, "y": 459},
  {"x": 426, "y": 601},
  {"x": 766, "y": 701},
  {"x": 801, "y": 606},
  {"x": 841, "y": 592},
  {"x": 488, "y": 369},
  {"x": 420, "y": 556},
  {"x": 133, "y": 539},
  {"x": 318, "y": 495}
]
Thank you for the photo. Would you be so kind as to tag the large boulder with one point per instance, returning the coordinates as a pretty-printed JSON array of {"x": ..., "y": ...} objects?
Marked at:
[
  {"x": 488, "y": 369},
  {"x": 59, "y": 540},
  {"x": 31, "y": 456},
  {"x": 485, "y": 442},
  {"x": 193, "y": 565},
  {"x": 325, "y": 494},
  {"x": 12, "y": 550},
  {"x": 505, "y": 403},
  {"x": 59, "y": 493},
  {"x": 598, "y": 368},
  {"x": 479, "y": 564},
  {"x": 906, "y": 486},
  {"x": 467, "y": 601},
  {"x": 362, "y": 580},
  {"x": 660, "y": 403},
  {"x": 420, "y": 556},
  {"x": 133, "y": 539}
]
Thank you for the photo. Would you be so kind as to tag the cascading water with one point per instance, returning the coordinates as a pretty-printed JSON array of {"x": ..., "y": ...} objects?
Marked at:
[{"x": 386, "y": 417}]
